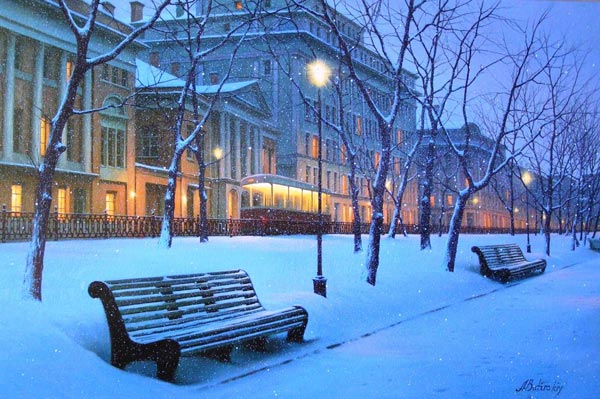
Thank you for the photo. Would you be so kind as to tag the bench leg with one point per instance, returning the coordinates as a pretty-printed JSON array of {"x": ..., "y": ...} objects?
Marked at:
[{"x": 165, "y": 353}]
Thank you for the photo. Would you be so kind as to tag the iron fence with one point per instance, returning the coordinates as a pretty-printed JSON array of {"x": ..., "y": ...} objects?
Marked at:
[{"x": 17, "y": 226}]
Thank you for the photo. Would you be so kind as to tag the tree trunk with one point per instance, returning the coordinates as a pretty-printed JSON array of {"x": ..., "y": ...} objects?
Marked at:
[
  {"x": 425, "y": 204},
  {"x": 166, "y": 232},
  {"x": 34, "y": 267},
  {"x": 356, "y": 223},
  {"x": 547, "y": 223},
  {"x": 454, "y": 231},
  {"x": 203, "y": 216}
]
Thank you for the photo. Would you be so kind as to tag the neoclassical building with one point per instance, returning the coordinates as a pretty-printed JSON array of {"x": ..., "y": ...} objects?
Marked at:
[
  {"x": 37, "y": 49},
  {"x": 277, "y": 62}
]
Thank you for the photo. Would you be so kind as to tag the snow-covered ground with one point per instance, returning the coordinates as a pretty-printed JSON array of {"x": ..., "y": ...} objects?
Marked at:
[{"x": 420, "y": 333}]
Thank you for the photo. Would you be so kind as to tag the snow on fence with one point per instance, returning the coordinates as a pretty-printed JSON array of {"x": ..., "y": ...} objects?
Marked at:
[{"x": 17, "y": 226}]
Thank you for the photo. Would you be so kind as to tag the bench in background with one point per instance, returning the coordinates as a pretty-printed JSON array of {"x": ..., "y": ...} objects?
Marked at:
[
  {"x": 162, "y": 318},
  {"x": 505, "y": 261},
  {"x": 594, "y": 244}
]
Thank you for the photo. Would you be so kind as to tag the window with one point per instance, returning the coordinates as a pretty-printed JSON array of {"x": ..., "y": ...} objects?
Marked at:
[
  {"x": 399, "y": 136},
  {"x": 175, "y": 66},
  {"x": 307, "y": 144},
  {"x": 266, "y": 67},
  {"x": 343, "y": 153},
  {"x": 62, "y": 200},
  {"x": 110, "y": 203},
  {"x": 315, "y": 176},
  {"x": 16, "y": 198},
  {"x": 113, "y": 147},
  {"x": 51, "y": 63},
  {"x": 449, "y": 199},
  {"x": 113, "y": 134},
  {"x": 359, "y": 129},
  {"x": 147, "y": 143},
  {"x": 315, "y": 146},
  {"x": 376, "y": 158},
  {"x": 69, "y": 69},
  {"x": 154, "y": 59},
  {"x": 307, "y": 174},
  {"x": 45, "y": 125},
  {"x": 239, "y": 5},
  {"x": 80, "y": 200},
  {"x": 226, "y": 27},
  {"x": 105, "y": 71},
  {"x": 335, "y": 182},
  {"x": 214, "y": 78},
  {"x": 345, "y": 185},
  {"x": 124, "y": 78},
  {"x": 114, "y": 78},
  {"x": 432, "y": 201}
]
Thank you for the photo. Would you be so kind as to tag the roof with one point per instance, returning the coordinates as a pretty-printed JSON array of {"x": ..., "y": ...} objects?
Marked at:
[{"x": 148, "y": 76}]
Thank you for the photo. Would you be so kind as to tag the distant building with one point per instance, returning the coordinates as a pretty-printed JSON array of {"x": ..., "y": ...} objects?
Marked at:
[{"x": 292, "y": 149}]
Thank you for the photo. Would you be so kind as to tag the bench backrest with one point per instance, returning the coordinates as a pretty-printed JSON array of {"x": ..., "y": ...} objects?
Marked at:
[
  {"x": 506, "y": 254},
  {"x": 148, "y": 305}
]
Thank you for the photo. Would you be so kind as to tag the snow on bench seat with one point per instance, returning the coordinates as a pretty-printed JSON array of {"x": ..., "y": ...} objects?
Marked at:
[{"x": 162, "y": 318}]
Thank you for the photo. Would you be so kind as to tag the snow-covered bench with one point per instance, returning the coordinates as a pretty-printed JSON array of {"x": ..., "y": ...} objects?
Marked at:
[
  {"x": 594, "y": 244},
  {"x": 162, "y": 318},
  {"x": 505, "y": 261}
]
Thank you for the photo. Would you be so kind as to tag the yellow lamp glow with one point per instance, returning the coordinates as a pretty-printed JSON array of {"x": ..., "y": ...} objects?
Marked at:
[
  {"x": 218, "y": 153},
  {"x": 318, "y": 73}
]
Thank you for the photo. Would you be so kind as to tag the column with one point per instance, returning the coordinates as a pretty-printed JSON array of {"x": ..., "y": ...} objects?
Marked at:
[
  {"x": 227, "y": 148},
  {"x": 87, "y": 122},
  {"x": 238, "y": 157},
  {"x": 249, "y": 148},
  {"x": 62, "y": 90},
  {"x": 222, "y": 130},
  {"x": 257, "y": 150},
  {"x": 9, "y": 98},
  {"x": 36, "y": 112}
]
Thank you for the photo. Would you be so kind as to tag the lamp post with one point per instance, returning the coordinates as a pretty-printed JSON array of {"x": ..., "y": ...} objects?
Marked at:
[
  {"x": 218, "y": 154},
  {"x": 318, "y": 75},
  {"x": 526, "y": 177}
]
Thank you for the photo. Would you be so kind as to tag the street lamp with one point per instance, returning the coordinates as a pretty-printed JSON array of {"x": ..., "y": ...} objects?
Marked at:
[
  {"x": 218, "y": 154},
  {"x": 318, "y": 75},
  {"x": 526, "y": 177}
]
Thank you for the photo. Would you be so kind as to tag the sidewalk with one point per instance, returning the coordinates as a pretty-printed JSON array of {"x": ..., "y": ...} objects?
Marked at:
[{"x": 548, "y": 325}]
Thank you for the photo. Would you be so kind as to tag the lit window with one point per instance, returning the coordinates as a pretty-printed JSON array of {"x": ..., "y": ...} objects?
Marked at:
[
  {"x": 69, "y": 68},
  {"x": 238, "y": 5},
  {"x": 343, "y": 153},
  {"x": 449, "y": 199},
  {"x": 16, "y": 198},
  {"x": 62, "y": 200},
  {"x": 359, "y": 129},
  {"x": 45, "y": 125},
  {"x": 110, "y": 203},
  {"x": 399, "y": 137},
  {"x": 432, "y": 200},
  {"x": 376, "y": 158},
  {"x": 315, "y": 146}
]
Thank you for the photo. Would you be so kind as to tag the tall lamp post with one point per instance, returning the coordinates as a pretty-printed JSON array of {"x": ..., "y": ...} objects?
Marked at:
[
  {"x": 218, "y": 154},
  {"x": 526, "y": 177},
  {"x": 318, "y": 75}
]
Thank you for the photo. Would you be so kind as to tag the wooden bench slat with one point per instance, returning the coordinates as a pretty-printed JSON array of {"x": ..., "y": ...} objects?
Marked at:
[
  {"x": 505, "y": 261},
  {"x": 159, "y": 318}
]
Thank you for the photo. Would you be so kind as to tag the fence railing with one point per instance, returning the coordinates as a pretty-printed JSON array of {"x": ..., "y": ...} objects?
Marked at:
[{"x": 17, "y": 226}]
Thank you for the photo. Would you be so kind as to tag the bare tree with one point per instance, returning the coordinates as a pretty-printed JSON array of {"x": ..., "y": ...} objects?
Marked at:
[
  {"x": 372, "y": 15},
  {"x": 477, "y": 167},
  {"x": 191, "y": 44},
  {"x": 83, "y": 28},
  {"x": 551, "y": 152}
]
